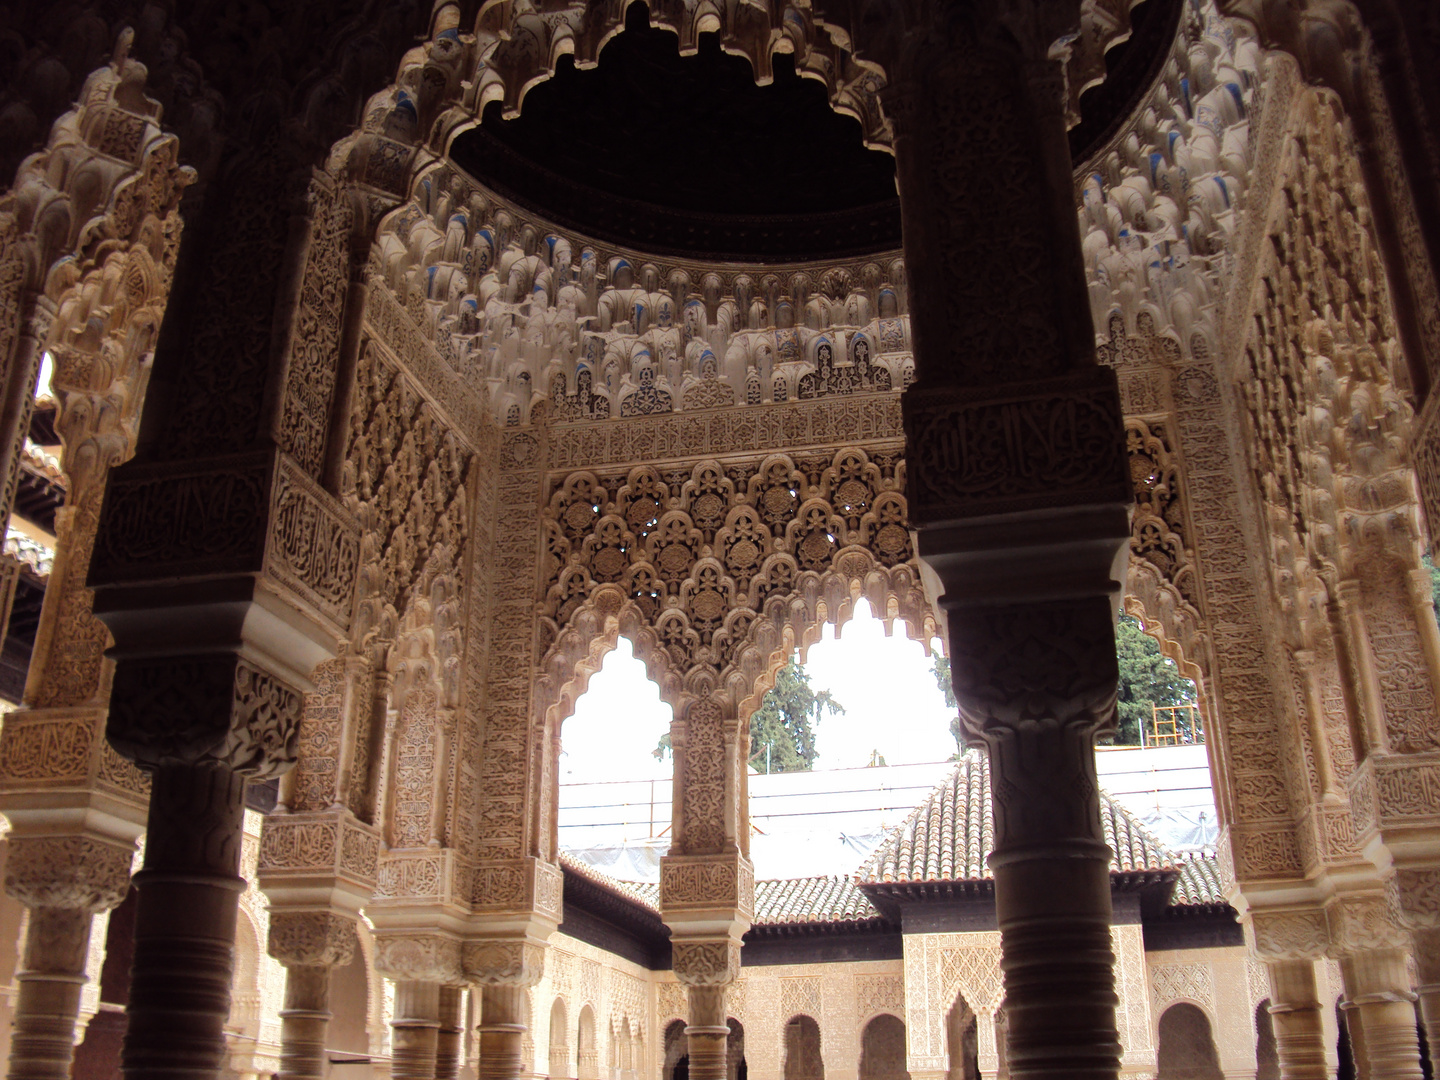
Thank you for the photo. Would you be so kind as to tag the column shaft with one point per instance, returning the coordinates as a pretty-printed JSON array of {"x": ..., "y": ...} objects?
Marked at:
[
  {"x": 502, "y": 1028},
  {"x": 1379, "y": 1003},
  {"x": 304, "y": 1023},
  {"x": 447, "y": 1041},
  {"x": 1295, "y": 1013},
  {"x": 1427, "y": 965},
  {"x": 415, "y": 1031},
  {"x": 1052, "y": 898},
  {"x": 707, "y": 1035},
  {"x": 189, "y": 892},
  {"x": 42, "y": 1041}
]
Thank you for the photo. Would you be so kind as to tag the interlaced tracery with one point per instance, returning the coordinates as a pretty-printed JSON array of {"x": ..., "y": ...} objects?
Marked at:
[{"x": 701, "y": 550}]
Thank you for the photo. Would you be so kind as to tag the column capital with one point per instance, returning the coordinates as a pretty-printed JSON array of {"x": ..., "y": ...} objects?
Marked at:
[
  {"x": 220, "y": 709},
  {"x": 513, "y": 962},
  {"x": 420, "y": 957},
  {"x": 1413, "y": 898},
  {"x": 76, "y": 872},
  {"x": 1288, "y": 934},
  {"x": 706, "y": 963},
  {"x": 311, "y": 939},
  {"x": 1361, "y": 923}
]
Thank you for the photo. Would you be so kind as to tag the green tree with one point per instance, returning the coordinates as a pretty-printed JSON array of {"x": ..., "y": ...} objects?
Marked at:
[
  {"x": 1147, "y": 678},
  {"x": 940, "y": 668},
  {"x": 1429, "y": 563},
  {"x": 786, "y": 720}
]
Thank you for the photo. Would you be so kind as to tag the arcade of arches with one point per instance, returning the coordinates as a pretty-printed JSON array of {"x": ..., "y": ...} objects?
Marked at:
[{"x": 379, "y": 424}]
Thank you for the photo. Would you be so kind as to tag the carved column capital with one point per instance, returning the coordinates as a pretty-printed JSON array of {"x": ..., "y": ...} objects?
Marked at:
[
  {"x": 1358, "y": 924},
  {"x": 1291, "y": 934},
  {"x": 207, "y": 709},
  {"x": 1413, "y": 898},
  {"x": 74, "y": 872},
  {"x": 311, "y": 939},
  {"x": 423, "y": 957},
  {"x": 503, "y": 963},
  {"x": 713, "y": 963}
]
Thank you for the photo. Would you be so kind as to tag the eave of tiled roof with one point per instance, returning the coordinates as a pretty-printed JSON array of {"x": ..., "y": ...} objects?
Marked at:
[
  {"x": 641, "y": 893},
  {"x": 948, "y": 837},
  {"x": 29, "y": 552},
  {"x": 796, "y": 901},
  {"x": 1198, "y": 884}
]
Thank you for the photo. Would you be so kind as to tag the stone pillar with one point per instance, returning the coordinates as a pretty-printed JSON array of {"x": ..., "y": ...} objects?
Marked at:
[
  {"x": 189, "y": 890},
  {"x": 448, "y": 1041},
  {"x": 1295, "y": 1012},
  {"x": 707, "y": 1032},
  {"x": 311, "y": 945},
  {"x": 1019, "y": 489},
  {"x": 1378, "y": 1003},
  {"x": 63, "y": 880},
  {"x": 1411, "y": 896},
  {"x": 502, "y": 1028},
  {"x": 1427, "y": 967},
  {"x": 415, "y": 1031},
  {"x": 202, "y": 725}
]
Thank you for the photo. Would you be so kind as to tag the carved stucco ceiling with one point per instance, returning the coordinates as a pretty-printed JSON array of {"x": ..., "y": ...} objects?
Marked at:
[{"x": 686, "y": 155}]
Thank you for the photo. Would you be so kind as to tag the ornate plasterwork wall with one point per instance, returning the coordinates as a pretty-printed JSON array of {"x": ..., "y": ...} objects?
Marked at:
[
  {"x": 621, "y": 998},
  {"x": 841, "y": 997},
  {"x": 1223, "y": 984},
  {"x": 943, "y": 968}
]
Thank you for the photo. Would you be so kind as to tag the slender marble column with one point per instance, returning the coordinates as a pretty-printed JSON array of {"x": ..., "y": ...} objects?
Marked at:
[
  {"x": 42, "y": 1040},
  {"x": 452, "y": 1027},
  {"x": 1427, "y": 965},
  {"x": 1295, "y": 1013},
  {"x": 415, "y": 1031},
  {"x": 502, "y": 1029},
  {"x": 311, "y": 944},
  {"x": 1379, "y": 1002},
  {"x": 189, "y": 889},
  {"x": 304, "y": 1022},
  {"x": 707, "y": 1034}
]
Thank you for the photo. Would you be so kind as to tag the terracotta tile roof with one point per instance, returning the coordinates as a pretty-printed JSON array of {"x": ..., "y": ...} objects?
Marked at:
[
  {"x": 811, "y": 900},
  {"x": 39, "y": 558},
  {"x": 1199, "y": 882},
  {"x": 950, "y": 834},
  {"x": 644, "y": 893}
]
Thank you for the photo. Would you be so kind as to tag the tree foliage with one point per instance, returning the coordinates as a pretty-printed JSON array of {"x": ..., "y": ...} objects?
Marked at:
[
  {"x": 786, "y": 720},
  {"x": 1147, "y": 678},
  {"x": 940, "y": 668}
]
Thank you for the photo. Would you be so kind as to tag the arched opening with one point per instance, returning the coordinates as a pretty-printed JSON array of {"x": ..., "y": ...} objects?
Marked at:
[
  {"x": 676, "y": 1064},
  {"x": 735, "y": 1067},
  {"x": 615, "y": 772},
  {"x": 882, "y": 1049},
  {"x": 802, "y": 1050},
  {"x": 559, "y": 1047},
  {"x": 1187, "y": 1051},
  {"x": 244, "y": 1020},
  {"x": 962, "y": 1041},
  {"x": 1267, "y": 1056},
  {"x": 587, "y": 1060}
]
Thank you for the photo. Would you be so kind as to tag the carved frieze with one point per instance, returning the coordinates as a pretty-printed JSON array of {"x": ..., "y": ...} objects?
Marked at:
[{"x": 974, "y": 451}]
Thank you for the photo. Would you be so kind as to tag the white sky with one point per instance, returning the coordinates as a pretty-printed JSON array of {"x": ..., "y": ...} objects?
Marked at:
[{"x": 892, "y": 705}]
